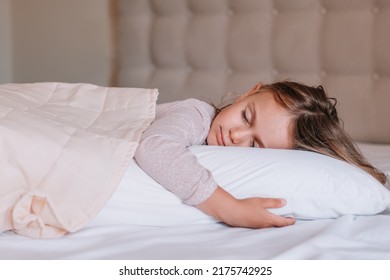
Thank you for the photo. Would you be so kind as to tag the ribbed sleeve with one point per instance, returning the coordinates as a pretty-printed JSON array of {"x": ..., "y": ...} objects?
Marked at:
[{"x": 163, "y": 150}]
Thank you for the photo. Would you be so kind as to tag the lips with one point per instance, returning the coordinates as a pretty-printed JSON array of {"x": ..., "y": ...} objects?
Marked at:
[{"x": 221, "y": 142}]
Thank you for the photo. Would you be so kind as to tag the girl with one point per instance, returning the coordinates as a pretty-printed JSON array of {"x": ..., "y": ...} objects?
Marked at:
[{"x": 282, "y": 115}]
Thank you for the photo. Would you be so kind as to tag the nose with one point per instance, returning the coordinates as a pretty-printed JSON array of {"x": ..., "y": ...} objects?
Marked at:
[{"x": 240, "y": 136}]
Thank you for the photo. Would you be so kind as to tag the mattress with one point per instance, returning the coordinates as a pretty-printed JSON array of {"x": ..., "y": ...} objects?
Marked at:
[{"x": 347, "y": 237}]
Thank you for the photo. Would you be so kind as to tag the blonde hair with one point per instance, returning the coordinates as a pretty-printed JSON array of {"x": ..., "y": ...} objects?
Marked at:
[{"x": 316, "y": 124}]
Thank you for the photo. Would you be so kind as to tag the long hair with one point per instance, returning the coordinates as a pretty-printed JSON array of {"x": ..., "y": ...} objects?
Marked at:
[{"x": 316, "y": 124}]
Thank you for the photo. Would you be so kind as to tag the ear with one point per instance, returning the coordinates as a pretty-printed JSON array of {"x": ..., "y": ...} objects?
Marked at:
[{"x": 250, "y": 92}]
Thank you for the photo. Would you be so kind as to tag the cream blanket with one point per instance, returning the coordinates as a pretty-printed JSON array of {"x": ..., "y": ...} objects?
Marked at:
[{"x": 64, "y": 148}]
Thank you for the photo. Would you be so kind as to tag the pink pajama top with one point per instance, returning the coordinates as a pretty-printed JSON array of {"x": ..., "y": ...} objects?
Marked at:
[{"x": 163, "y": 150}]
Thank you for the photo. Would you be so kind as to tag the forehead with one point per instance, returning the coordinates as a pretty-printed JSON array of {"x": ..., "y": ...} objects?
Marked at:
[
  {"x": 273, "y": 124},
  {"x": 265, "y": 102}
]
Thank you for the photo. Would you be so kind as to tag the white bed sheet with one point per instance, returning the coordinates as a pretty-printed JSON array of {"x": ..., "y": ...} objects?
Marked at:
[{"x": 348, "y": 237}]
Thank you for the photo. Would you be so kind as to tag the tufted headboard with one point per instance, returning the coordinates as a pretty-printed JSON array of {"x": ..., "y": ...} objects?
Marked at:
[{"x": 207, "y": 48}]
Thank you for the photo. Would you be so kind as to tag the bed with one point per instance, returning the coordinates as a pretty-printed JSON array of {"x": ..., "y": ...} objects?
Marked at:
[{"x": 205, "y": 49}]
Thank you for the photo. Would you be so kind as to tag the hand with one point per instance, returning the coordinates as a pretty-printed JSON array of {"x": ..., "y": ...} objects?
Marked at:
[
  {"x": 249, "y": 212},
  {"x": 253, "y": 213}
]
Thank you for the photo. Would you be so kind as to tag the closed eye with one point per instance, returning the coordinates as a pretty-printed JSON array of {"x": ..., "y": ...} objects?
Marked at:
[
  {"x": 244, "y": 116},
  {"x": 247, "y": 122}
]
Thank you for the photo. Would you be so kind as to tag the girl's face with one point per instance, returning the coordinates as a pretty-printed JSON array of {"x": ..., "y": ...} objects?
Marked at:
[{"x": 253, "y": 120}]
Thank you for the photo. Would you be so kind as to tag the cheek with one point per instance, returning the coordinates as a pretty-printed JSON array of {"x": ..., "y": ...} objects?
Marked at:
[
  {"x": 226, "y": 117},
  {"x": 283, "y": 136}
]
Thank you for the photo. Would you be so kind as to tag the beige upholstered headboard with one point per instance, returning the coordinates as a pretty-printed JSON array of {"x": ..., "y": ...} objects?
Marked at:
[{"x": 207, "y": 48}]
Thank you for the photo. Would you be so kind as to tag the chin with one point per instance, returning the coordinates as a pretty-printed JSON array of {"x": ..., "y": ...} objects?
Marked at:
[{"x": 211, "y": 141}]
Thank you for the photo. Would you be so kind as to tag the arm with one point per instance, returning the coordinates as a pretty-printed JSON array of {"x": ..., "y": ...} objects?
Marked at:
[
  {"x": 163, "y": 154},
  {"x": 250, "y": 212}
]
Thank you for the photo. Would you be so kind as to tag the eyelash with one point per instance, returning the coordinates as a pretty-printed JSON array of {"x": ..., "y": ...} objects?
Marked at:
[
  {"x": 244, "y": 117},
  {"x": 243, "y": 114}
]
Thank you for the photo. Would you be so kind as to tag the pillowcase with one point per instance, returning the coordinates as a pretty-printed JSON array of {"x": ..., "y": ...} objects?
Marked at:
[{"x": 315, "y": 187}]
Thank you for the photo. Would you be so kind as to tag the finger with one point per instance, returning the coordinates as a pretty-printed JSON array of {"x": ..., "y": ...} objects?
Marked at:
[
  {"x": 272, "y": 202},
  {"x": 278, "y": 221}
]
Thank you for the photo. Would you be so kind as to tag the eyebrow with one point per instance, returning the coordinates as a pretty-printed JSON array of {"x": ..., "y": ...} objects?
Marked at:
[{"x": 253, "y": 109}]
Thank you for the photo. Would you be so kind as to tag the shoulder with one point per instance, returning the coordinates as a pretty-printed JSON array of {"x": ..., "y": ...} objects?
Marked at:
[{"x": 189, "y": 107}]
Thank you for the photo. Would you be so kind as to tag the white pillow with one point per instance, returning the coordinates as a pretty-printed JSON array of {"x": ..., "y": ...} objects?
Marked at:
[{"x": 314, "y": 185}]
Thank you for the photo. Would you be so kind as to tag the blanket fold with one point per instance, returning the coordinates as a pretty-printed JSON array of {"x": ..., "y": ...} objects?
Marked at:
[
  {"x": 34, "y": 215},
  {"x": 64, "y": 150}
]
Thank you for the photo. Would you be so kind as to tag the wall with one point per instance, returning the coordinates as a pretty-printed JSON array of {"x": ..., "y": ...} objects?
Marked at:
[
  {"x": 5, "y": 42},
  {"x": 62, "y": 40}
]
